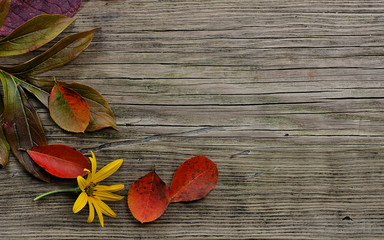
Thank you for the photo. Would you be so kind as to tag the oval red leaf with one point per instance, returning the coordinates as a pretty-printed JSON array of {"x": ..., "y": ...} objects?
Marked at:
[
  {"x": 193, "y": 179},
  {"x": 68, "y": 109},
  {"x": 148, "y": 198},
  {"x": 60, "y": 160}
]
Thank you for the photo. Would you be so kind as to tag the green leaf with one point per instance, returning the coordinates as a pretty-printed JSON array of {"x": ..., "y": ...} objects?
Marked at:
[
  {"x": 101, "y": 115},
  {"x": 40, "y": 94},
  {"x": 4, "y": 146},
  {"x": 42, "y": 83},
  {"x": 4, "y": 6},
  {"x": 33, "y": 34},
  {"x": 4, "y": 149},
  {"x": 22, "y": 126},
  {"x": 59, "y": 54},
  {"x": 35, "y": 126},
  {"x": 68, "y": 109}
]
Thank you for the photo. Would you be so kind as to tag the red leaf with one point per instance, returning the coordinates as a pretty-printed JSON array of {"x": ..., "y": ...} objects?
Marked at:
[
  {"x": 193, "y": 179},
  {"x": 23, "y": 10},
  {"x": 68, "y": 109},
  {"x": 60, "y": 160},
  {"x": 148, "y": 198}
]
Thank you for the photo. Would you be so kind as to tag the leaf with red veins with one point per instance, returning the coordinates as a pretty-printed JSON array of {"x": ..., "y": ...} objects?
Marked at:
[
  {"x": 193, "y": 179},
  {"x": 23, "y": 10},
  {"x": 60, "y": 160},
  {"x": 148, "y": 198}
]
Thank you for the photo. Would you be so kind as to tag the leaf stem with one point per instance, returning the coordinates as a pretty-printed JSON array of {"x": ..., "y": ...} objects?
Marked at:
[{"x": 76, "y": 190}]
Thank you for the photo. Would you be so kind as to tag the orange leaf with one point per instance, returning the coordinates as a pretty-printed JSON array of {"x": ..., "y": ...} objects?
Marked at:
[
  {"x": 193, "y": 179},
  {"x": 148, "y": 198},
  {"x": 68, "y": 109},
  {"x": 60, "y": 160}
]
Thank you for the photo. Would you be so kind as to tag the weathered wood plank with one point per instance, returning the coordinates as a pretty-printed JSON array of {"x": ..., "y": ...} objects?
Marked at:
[{"x": 285, "y": 96}]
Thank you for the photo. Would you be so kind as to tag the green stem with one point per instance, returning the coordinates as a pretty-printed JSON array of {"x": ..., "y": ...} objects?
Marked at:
[{"x": 76, "y": 190}]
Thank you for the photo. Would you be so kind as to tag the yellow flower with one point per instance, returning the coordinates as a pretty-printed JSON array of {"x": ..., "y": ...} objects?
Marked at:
[{"x": 95, "y": 194}]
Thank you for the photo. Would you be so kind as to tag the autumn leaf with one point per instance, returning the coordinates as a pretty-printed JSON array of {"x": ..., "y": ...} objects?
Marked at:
[
  {"x": 4, "y": 6},
  {"x": 101, "y": 115},
  {"x": 193, "y": 179},
  {"x": 4, "y": 146},
  {"x": 42, "y": 83},
  {"x": 39, "y": 93},
  {"x": 148, "y": 198},
  {"x": 68, "y": 109},
  {"x": 33, "y": 34},
  {"x": 4, "y": 149},
  {"x": 22, "y": 126},
  {"x": 63, "y": 52},
  {"x": 60, "y": 160},
  {"x": 23, "y": 10},
  {"x": 35, "y": 126}
]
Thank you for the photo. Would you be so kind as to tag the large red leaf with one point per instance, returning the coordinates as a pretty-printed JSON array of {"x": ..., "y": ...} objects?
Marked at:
[
  {"x": 68, "y": 109},
  {"x": 60, "y": 160},
  {"x": 23, "y": 10},
  {"x": 193, "y": 179},
  {"x": 148, "y": 198}
]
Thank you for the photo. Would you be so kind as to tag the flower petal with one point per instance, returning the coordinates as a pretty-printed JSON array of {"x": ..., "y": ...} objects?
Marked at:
[
  {"x": 81, "y": 182},
  {"x": 104, "y": 207},
  {"x": 107, "y": 171},
  {"x": 112, "y": 188},
  {"x": 80, "y": 202},
  {"x": 89, "y": 176},
  {"x": 107, "y": 196},
  {"x": 93, "y": 162},
  {"x": 98, "y": 211},
  {"x": 91, "y": 211}
]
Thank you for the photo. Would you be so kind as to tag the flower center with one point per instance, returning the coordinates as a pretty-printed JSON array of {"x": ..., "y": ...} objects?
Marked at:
[{"x": 89, "y": 189}]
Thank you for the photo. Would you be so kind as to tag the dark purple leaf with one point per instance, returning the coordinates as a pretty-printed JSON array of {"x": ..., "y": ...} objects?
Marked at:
[
  {"x": 4, "y": 6},
  {"x": 23, "y": 10}
]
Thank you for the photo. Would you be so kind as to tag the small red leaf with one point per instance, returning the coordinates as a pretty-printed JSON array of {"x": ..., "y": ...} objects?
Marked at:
[
  {"x": 148, "y": 198},
  {"x": 68, "y": 109},
  {"x": 60, "y": 160},
  {"x": 193, "y": 179}
]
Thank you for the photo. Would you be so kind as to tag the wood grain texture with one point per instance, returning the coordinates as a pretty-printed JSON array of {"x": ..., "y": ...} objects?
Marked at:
[{"x": 285, "y": 96}]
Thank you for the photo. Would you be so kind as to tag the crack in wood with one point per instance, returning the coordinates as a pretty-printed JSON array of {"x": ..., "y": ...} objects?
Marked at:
[{"x": 156, "y": 137}]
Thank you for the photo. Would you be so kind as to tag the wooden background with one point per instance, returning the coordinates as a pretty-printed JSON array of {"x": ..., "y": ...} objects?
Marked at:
[{"x": 285, "y": 96}]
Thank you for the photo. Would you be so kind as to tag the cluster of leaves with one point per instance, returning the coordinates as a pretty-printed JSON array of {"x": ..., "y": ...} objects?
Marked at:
[
  {"x": 74, "y": 107},
  {"x": 149, "y": 196}
]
